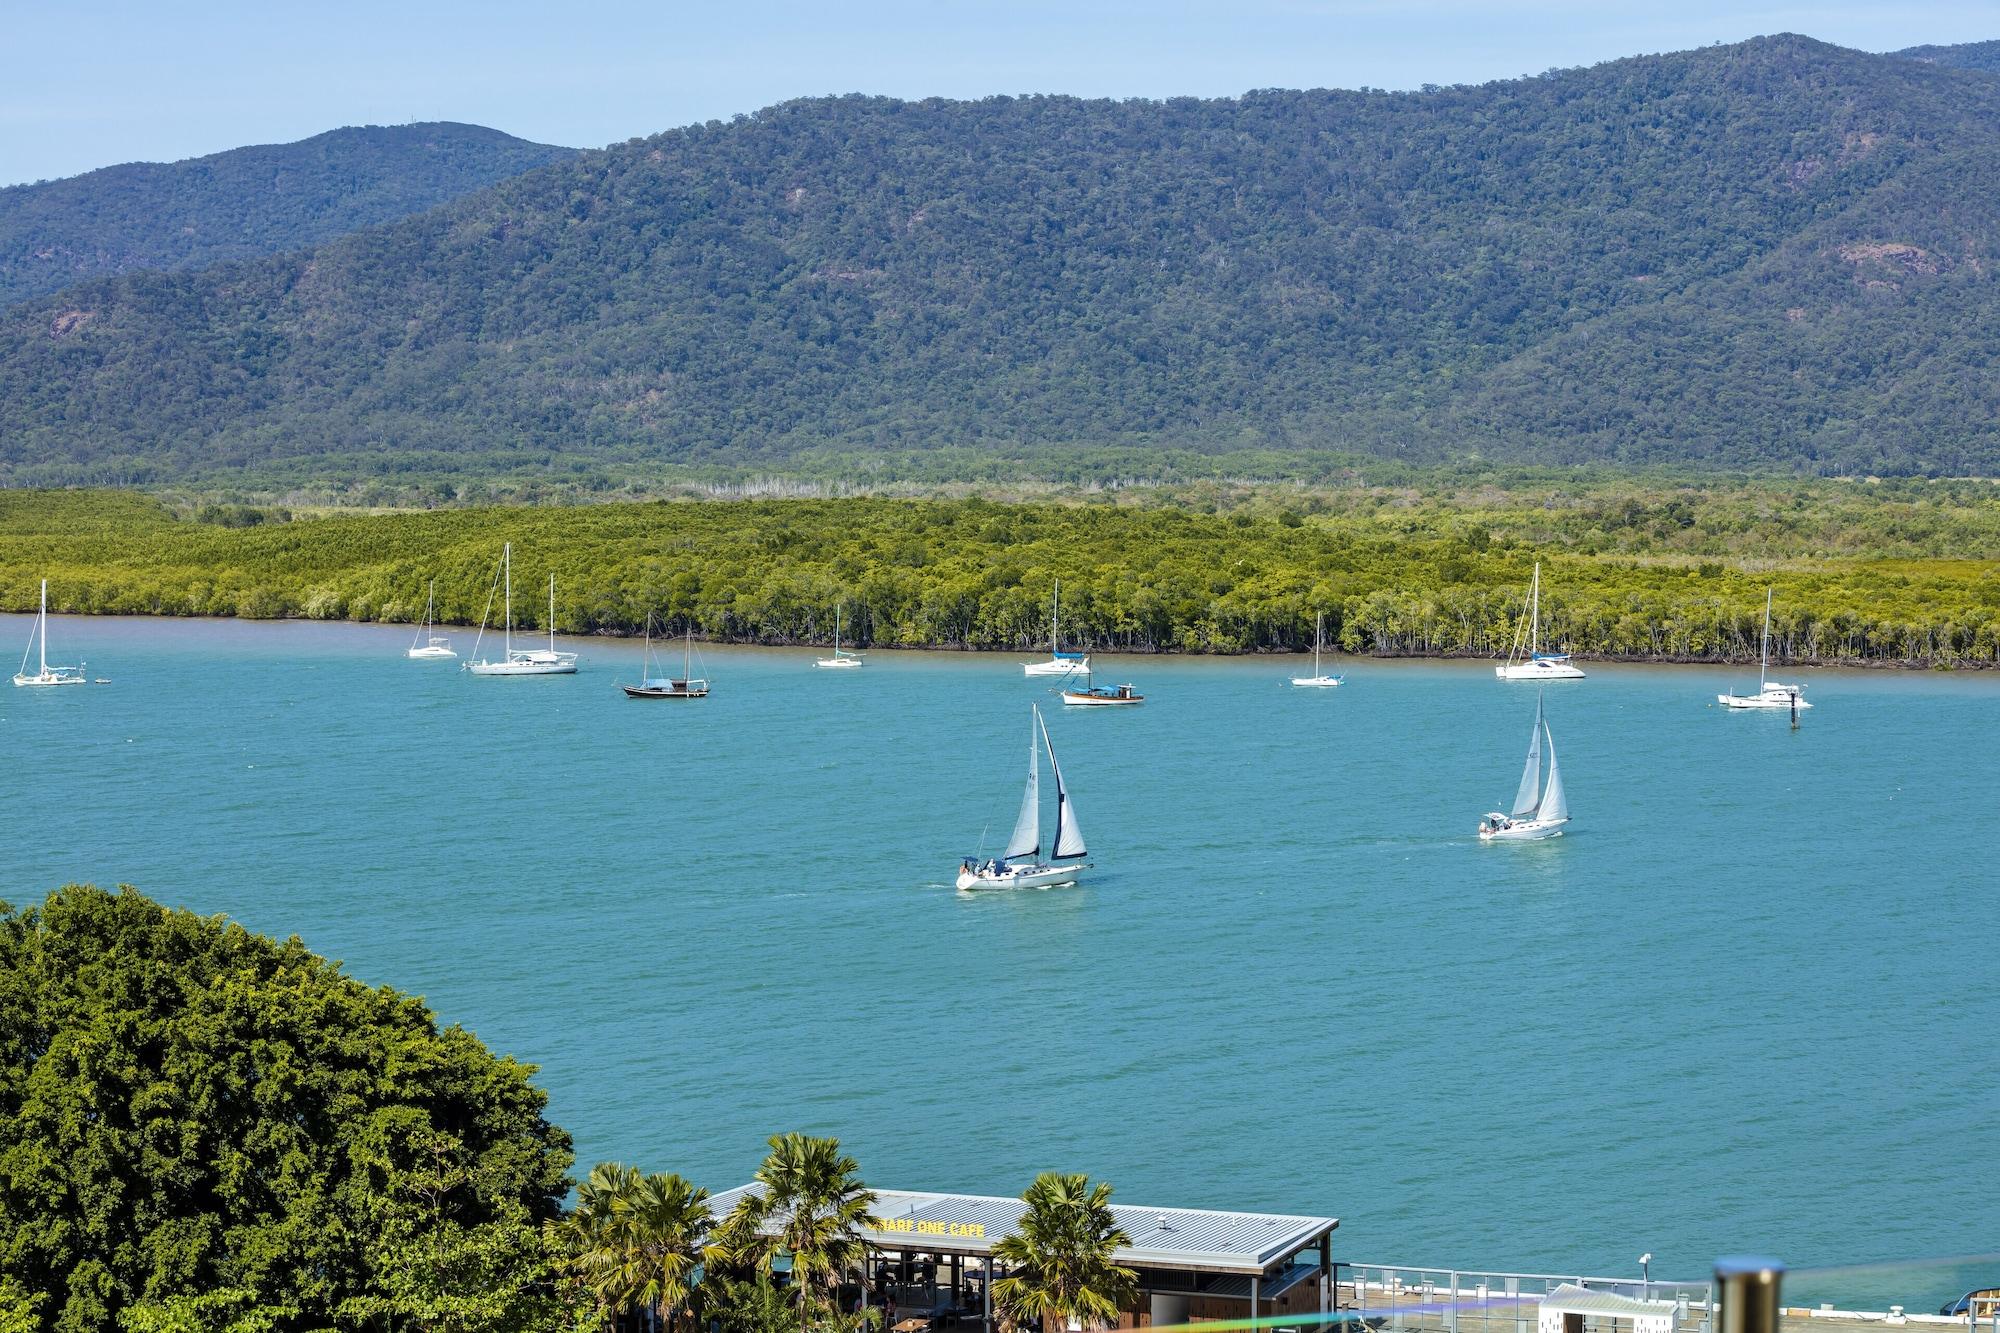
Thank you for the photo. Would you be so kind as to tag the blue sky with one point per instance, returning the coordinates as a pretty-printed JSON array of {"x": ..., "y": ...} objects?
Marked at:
[{"x": 86, "y": 84}]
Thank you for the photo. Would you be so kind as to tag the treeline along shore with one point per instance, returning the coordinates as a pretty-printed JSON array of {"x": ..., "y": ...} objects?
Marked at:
[{"x": 1666, "y": 575}]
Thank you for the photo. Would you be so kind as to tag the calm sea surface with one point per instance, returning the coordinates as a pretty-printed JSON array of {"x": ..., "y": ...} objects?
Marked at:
[{"x": 1751, "y": 1002}]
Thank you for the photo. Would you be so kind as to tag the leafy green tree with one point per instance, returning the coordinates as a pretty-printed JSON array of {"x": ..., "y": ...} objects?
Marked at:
[
  {"x": 810, "y": 1198},
  {"x": 1060, "y": 1256},
  {"x": 203, "y": 1127}
]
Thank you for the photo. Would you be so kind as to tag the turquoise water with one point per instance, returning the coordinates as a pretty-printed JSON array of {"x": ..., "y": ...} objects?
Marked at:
[{"x": 1750, "y": 1003}]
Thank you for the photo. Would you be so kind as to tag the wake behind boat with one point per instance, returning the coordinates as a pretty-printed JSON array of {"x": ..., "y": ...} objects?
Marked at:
[
  {"x": 1060, "y": 663},
  {"x": 1770, "y": 695},
  {"x": 651, "y": 685},
  {"x": 1539, "y": 811},
  {"x": 520, "y": 661},
  {"x": 39, "y": 638},
  {"x": 1020, "y": 866},
  {"x": 1537, "y": 665}
]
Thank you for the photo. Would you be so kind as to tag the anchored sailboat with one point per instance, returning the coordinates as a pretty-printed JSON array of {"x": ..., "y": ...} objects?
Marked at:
[
  {"x": 39, "y": 638},
  {"x": 429, "y": 644},
  {"x": 1770, "y": 694},
  {"x": 520, "y": 661},
  {"x": 1540, "y": 811},
  {"x": 685, "y": 686},
  {"x": 1537, "y": 665},
  {"x": 1021, "y": 865},
  {"x": 1318, "y": 677},
  {"x": 1060, "y": 663},
  {"x": 1091, "y": 693},
  {"x": 841, "y": 659}
]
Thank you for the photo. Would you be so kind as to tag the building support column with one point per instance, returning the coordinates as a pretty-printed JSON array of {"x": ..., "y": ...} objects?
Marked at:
[
  {"x": 986, "y": 1298},
  {"x": 1256, "y": 1289}
]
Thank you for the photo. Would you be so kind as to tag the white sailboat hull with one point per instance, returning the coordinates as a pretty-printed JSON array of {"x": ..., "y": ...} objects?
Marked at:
[
  {"x": 1526, "y": 830},
  {"x": 527, "y": 664},
  {"x": 1018, "y": 877},
  {"x": 1055, "y": 666},
  {"x": 1317, "y": 682},
  {"x": 1540, "y": 668},
  {"x": 431, "y": 653},
  {"x": 54, "y": 676},
  {"x": 1774, "y": 697},
  {"x": 838, "y": 663}
]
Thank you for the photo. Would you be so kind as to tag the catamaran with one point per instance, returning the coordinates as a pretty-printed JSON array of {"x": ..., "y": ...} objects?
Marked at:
[
  {"x": 841, "y": 659},
  {"x": 429, "y": 644},
  {"x": 1092, "y": 694},
  {"x": 1770, "y": 694},
  {"x": 1318, "y": 677},
  {"x": 520, "y": 661},
  {"x": 1537, "y": 665},
  {"x": 1539, "y": 811},
  {"x": 685, "y": 686},
  {"x": 39, "y": 638},
  {"x": 1021, "y": 865},
  {"x": 1060, "y": 663}
]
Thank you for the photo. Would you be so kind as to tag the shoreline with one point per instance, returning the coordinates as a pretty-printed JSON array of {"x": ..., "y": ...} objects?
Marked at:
[{"x": 1035, "y": 651}]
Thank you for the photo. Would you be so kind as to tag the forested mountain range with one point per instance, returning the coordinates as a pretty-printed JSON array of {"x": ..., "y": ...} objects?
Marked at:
[
  {"x": 244, "y": 203},
  {"x": 1966, "y": 55},
  {"x": 1773, "y": 255}
]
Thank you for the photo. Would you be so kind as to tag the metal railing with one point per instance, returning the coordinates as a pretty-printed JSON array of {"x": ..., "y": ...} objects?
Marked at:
[{"x": 1445, "y": 1300}]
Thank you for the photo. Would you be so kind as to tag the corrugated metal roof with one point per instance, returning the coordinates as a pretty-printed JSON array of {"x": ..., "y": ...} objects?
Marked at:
[
  {"x": 1572, "y": 1299},
  {"x": 1185, "y": 1238}
]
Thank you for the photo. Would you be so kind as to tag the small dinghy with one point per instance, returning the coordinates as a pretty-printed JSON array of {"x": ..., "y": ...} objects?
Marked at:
[{"x": 1539, "y": 811}]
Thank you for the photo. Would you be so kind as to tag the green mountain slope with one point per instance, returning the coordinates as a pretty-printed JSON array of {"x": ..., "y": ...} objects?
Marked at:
[
  {"x": 243, "y": 203},
  {"x": 1966, "y": 55},
  {"x": 1777, "y": 254}
]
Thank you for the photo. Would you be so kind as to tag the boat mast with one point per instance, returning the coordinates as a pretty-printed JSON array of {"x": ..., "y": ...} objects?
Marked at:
[
  {"x": 552, "y": 612},
  {"x": 507, "y": 566},
  {"x": 42, "y": 627},
  {"x": 1535, "y": 614},
  {"x": 1764, "y": 653},
  {"x": 1319, "y": 619},
  {"x": 1055, "y": 607}
]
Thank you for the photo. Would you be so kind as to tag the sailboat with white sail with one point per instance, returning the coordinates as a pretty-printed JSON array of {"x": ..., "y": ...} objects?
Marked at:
[
  {"x": 1021, "y": 865},
  {"x": 39, "y": 639},
  {"x": 520, "y": 661},
  {"x": 1060, "y": 663},
  {"x": 652, "y": 685},
  {"x": 1318, "y": 678},
  {"x": 1540, "y": 809},
  {"x": 1770, "y": 694},
  {"x": 1536, "y": 665},
  {"x": 429, "y": 645},
  {"x": 842, "y": 660}
]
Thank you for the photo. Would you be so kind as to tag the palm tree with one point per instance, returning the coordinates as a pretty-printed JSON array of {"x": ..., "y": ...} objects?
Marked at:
[
  {"x": 1060, "y": 1255},
  {"x": 637, "y": 1240},
  {"x": 812, "y": 1206}
]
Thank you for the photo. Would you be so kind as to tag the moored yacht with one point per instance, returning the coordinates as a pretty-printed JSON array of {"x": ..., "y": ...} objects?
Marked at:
[
  {"x": 520, "y": 661},
  {"x": 1770, "y": 694},
  {"x": 1060, "y": 663},
  {"x": 1318, "y": 678},
  {"x": 1536, "y": 664},
  {"x": 652, "y": 685},
  {"x": 842, "y": 660},
  {"x": 38, "y": 638},
  {"x": 429, "y": 645}
]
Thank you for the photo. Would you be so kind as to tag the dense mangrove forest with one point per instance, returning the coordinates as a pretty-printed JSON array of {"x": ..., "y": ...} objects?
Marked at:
[{"x": 1669, "y": 574}]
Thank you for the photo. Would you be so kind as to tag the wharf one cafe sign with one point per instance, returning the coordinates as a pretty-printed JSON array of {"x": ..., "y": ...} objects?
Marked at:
[{"x": 911, "y": 1226}]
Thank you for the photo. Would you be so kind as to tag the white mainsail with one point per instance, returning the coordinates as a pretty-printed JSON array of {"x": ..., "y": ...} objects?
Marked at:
[
  {"x": 1069, "y": 837},
  {"x": 1027, "y": 839},
  {"x": 1528, "y": 796},
  {"x": 1555, "y": 805}
]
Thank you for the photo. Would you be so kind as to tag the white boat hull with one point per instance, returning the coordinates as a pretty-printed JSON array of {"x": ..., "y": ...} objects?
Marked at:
[
  {"x": 837, "y": 663},
  {"x": 1778, "y": 699},
  {"x": 1316, "y": 682},
  {"x": 1055, "y": 666},
  {"x": 1527, "y": 830},
  {"x": 1019, "y": 877},
  {"x": 431, "y": 654},
  {"x": 557, "y": 665},
  {"x": 59, "y": 676},
  {"x": 1538, "y": 670}
]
